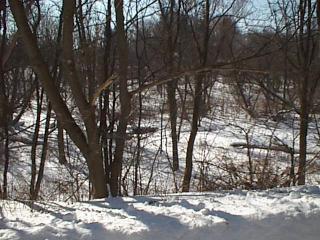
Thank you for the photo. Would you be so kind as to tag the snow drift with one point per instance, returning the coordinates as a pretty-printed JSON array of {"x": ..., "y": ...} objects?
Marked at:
[{"x": 280, "y": 214}]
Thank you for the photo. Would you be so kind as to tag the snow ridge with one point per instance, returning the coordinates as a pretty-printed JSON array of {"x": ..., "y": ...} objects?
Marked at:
[{"x": 281, "y": 214}]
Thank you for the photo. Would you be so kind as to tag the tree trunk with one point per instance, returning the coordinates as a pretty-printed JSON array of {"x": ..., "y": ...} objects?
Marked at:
[
  {"x": 304, "y": 119},
  {"x": 172, "y": 102},
  {"x": 171, "y": 38},
  {"x": 125, "y": 99},
  {"x": 140, "y": 77},
  {"x": 61, "y": 148},
  {"x": 203, "y": 54},
  {"x": 43, "y": 153},
  {"x": 35, "y": 143},
  {"x": 306, "y": 52},
  {"x": 89, "y": 146},
  {"x": 105, "y": 98},
  {"x": 193, "y": 134},
  {"x": 6, "y": 165},
  {"x": 4, "y": 115}
]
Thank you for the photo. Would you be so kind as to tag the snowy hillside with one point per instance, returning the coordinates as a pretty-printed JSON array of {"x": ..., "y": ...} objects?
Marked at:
[
  {"x": 215, "y": 156},
  {"x": 280, "y": 214}
]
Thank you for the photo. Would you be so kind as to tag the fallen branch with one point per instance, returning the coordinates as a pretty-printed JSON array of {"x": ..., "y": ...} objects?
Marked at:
[{"x": 283, "y": 148}]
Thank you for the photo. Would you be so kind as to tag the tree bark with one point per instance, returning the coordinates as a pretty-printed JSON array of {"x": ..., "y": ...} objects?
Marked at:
[
  {"x": 94, "y": 157},
  {"x": 89, "y": 146},
  {"x": 307, "y": 50},
  {"x": 35, "y": 143},
  {"x": 43, "y": 154},
  {"x": 61, "y": 148},
  {"x": 303, "y": 131},
  {"x": 193, "y": 134},
  {"x": 4, "y": 115},
  {"x": 125, "y": 99},
  {"x": 203, "y": 54},
  {"x": 171, "y": 39},
  {"x": 172, "y": 102},
  {"x": 105, "y": 98}
]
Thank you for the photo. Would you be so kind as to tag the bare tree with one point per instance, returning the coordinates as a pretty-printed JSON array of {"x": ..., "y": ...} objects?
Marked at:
[
  {"x": 170, "y": 16},
  {"x": 87, "y": 143},
  {"x": 125, "y": 98},
  {"x": 307, "y": 40},
  {"x": 202, "y": 46},
  {"x": 301, "y": 51}
]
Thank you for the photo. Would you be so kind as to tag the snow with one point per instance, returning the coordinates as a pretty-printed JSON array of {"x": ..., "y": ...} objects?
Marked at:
[
  {"x": 213, "y": 157},
  {"x": 281, "y": 214}
]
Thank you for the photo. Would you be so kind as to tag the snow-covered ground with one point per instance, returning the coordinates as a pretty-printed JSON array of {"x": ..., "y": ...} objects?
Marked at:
[
  {"x": 214, "y": 156},
  {"x": 279, "y": 214}
]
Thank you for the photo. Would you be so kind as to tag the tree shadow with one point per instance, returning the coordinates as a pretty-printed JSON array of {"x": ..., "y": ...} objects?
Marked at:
[{"x": 156, "y": 223}]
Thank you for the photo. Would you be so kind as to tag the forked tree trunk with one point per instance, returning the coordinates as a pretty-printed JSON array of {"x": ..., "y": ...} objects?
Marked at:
[{"x": 89, "y": 146}]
